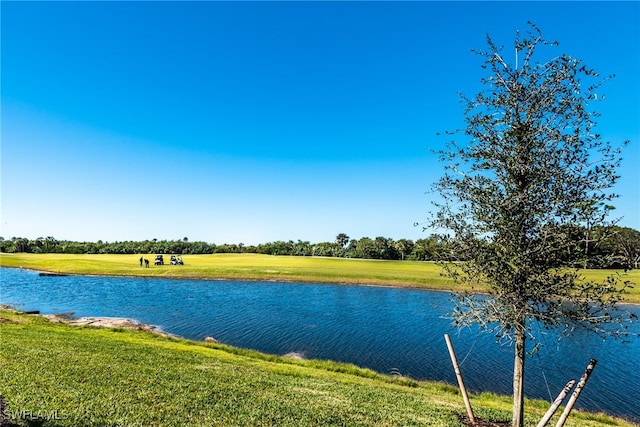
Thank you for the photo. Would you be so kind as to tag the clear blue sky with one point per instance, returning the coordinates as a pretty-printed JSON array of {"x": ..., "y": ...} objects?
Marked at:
[{"x": 251, "y": 122}]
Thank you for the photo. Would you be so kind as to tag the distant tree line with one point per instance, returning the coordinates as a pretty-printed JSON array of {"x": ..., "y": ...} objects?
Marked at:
[{"x": 621, "y": 249}]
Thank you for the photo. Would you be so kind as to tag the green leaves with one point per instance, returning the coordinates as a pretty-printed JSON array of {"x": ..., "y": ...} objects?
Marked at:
[
  {"x": 529, "y": 176},
  {"x": 522, "y": 195}
]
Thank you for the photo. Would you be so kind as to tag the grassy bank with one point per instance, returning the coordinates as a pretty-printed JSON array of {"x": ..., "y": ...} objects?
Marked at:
[
  {"x": 107, "y": 377},
  {"x": 421, "y": 275}
]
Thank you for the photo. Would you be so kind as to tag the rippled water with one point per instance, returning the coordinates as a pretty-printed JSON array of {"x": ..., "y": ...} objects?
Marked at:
[{"x": 385, "y": 329}]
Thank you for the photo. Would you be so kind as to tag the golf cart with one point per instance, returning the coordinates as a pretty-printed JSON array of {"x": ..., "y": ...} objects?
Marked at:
[
  {"x": 159, "y": 260},
  {"x": 176, "y": 260}
]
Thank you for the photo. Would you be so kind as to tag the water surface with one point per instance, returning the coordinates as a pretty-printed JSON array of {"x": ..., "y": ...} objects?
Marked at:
[{"x": 389, "y": 330}]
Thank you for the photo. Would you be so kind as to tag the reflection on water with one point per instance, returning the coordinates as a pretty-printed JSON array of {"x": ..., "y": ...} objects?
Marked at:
[{"x": 385, "y": 329}]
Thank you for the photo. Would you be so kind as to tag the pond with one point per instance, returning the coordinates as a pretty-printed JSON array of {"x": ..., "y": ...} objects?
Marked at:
[{"x": 389, "y": 330}]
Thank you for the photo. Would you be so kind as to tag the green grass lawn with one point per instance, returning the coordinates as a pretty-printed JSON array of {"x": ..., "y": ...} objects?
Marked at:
[
  {"x": 421, "y": 275},
  {"x": 243, "y": 266},
  {"x": 115, "y": 377}
]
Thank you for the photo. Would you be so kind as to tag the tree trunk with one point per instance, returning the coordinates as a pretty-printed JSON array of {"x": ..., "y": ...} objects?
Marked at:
[{"x": 518, "y": 378}]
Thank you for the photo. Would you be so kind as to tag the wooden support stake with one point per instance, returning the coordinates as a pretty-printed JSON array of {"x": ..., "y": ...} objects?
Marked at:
[
  {"x": 556, "y": 403},
  {"x": 576, "y": 392},
  {"x": 463, "y": 390}
]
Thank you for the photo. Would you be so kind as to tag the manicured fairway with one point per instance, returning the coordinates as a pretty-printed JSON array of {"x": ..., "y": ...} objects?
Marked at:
[{"x": 425, "y": 275}]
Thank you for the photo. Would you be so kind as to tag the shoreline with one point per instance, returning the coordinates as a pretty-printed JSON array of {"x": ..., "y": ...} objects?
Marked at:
[
  {"x": 50, "y": 273},
  {"x": 105, "y": 322},
  {"x": 131, "y": 364},
  {"x": 130, "y": 324},
  {"x": 124, "y": 323},
  {"x": 97, "y": 321},
  {"x": 315, "y": 281},
  {"x": 274, "y": 268}
]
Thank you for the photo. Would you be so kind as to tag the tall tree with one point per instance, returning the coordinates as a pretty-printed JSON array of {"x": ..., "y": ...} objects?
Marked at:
[
  {"x": 404, "y": 247},
  {"x": 629, "y": 241},
  {"x": 623, "y": 247},
  {"x": 342, "y": 239},
  {"x": 530, "y": 168}
]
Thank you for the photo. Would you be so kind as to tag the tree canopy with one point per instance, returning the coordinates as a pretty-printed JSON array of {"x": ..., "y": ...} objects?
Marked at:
[
  {"x": 621, "y": 249},
  {"x": 525, "y": 184}
]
